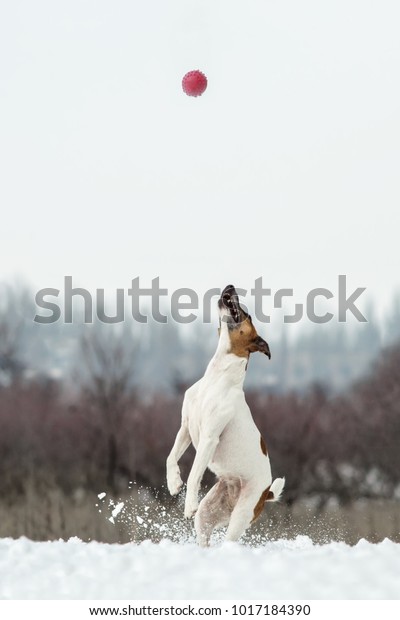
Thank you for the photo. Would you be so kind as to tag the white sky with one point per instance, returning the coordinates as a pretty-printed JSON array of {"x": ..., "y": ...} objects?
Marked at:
[{"x": 286, "y": 168}]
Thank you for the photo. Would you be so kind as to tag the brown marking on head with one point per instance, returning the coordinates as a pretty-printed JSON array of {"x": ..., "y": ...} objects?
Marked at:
[
  {"x": 245, "y": 340},
  {"x": 258, "y": 508},
  {"x": 263, "y": 445}
]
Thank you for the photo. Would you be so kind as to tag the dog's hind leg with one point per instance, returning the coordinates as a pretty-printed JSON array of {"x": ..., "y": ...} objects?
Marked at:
[
  {"x": 215, "y": 509},
  {"x": 245, "y": 510}
]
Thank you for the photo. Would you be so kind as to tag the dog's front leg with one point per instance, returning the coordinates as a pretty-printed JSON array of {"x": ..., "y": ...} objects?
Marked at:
[
  {"x": 204, "y": 454},
  {"x": 182, "y": 442}
]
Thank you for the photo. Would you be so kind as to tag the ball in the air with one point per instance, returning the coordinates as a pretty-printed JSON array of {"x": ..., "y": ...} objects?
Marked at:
[{"x": 194, "y": 83}]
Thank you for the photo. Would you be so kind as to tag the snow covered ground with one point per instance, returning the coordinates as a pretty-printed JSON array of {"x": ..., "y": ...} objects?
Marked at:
[{"x": 296, "y": 569}]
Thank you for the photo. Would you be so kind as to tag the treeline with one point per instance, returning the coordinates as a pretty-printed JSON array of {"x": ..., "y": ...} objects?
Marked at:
[
  {"x": 171, "y": 355},
  {"x": 105, "y": 433},
  {"x": 345, "y": 446}
]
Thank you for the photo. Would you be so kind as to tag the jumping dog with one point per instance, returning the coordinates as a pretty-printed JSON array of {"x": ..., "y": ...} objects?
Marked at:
[{"x": 218, "y": 421}]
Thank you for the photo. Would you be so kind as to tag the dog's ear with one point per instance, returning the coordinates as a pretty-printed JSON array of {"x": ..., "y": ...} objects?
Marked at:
[{"x": 259, "y": 344}]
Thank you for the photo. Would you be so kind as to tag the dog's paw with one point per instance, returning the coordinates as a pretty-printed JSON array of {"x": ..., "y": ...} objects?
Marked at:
[
  {"x": 191, "y": 506},
  {"x": 174, "y": 481}
]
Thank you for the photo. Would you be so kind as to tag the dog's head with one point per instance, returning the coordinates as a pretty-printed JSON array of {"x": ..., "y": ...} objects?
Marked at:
[{"x": 243, "y": 337}]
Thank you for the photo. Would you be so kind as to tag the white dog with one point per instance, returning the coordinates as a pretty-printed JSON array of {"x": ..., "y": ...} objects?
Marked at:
[{"x": 218, "y": 421}]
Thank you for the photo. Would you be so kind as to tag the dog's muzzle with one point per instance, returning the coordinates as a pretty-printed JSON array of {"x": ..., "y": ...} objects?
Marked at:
[{"x": 229, "y": 300}]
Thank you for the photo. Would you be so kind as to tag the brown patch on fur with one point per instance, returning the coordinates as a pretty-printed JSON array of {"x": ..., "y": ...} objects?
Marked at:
[
  {"x": 242, "y": 338},
  {"x": 263, "y": 445},
  {"x": 258, "y": 508},
  {"x": 245, "y": 340}
]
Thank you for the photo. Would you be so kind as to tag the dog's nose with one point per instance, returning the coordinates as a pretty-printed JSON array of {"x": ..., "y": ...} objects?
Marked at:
[{"x": 229, "y": 290}]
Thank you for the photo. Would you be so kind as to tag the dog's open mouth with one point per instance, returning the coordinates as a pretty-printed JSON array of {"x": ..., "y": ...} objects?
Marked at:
[{"x": 230, "y": 301}]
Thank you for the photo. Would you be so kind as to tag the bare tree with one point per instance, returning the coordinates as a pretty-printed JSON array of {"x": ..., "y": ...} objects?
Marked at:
[
  {"x": 15, "y": 304},
  {"x": 107, "y": 385}
]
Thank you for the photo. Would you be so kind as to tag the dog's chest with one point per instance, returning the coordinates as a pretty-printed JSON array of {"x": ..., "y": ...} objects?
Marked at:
[
  {"x": 200, "y": 411},
  {"x": 212, "y": 405}
]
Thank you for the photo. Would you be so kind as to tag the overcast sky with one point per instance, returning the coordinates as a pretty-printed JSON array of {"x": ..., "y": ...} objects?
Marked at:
[{"x": 287, "y": 167}]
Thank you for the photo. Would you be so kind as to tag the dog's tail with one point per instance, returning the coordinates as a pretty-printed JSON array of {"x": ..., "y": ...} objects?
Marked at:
[{"x": 275, "y": 490}]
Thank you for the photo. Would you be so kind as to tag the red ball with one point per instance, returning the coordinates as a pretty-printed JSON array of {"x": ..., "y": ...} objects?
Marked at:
[{"x": 194, "y": 83}]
